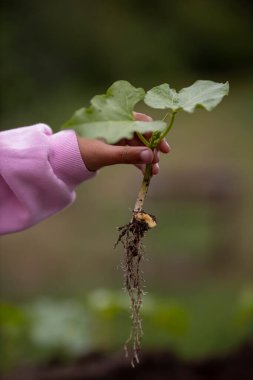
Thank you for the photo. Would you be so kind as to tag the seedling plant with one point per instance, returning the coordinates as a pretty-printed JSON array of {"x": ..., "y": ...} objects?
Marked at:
[{"x": 111, "y": 117}]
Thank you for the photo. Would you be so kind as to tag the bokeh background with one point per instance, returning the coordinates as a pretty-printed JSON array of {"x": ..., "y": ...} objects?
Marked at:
[{"x": 61, "y": 283}]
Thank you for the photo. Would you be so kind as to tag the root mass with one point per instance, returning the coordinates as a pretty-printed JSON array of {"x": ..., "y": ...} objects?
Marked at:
[{"x": 130, "y": 236}]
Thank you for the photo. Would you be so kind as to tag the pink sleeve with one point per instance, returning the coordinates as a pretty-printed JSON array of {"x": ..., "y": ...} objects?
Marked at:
[{"x": 39, "y": 171}]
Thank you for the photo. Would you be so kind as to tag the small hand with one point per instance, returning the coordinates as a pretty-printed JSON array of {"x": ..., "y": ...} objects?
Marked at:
[{"x": 97, "y": 153}]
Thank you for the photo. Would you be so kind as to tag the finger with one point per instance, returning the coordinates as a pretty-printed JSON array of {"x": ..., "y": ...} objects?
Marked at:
[
  {"x": 135, "y": 141},
  {"x": 147, "y": 135},
  {"x": 126, "y": 155},
  {"x": 156, "y": 157},
  {"x": 141, "y": 167},
  {"x": 141, "y": 116},
  {"x": 164, "y": 146},
  {"x": 122, "y": 142},
  {"x": 155, "y": 169}
]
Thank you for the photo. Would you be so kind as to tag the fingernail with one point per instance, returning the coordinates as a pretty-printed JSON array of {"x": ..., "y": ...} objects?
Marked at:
[
  {"x": 155, "y": 169},
  {"x": 146, "y": 156},
  {"x": 167, "y": 144}
]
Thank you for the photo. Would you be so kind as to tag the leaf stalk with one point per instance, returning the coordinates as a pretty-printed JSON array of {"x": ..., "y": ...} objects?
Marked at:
[
  {"x": 166, "y": 131},
  {"x": 143, "y": 140}
]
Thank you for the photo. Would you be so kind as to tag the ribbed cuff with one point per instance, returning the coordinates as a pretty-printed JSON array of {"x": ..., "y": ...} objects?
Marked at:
[{"x": 66, "y": 159}]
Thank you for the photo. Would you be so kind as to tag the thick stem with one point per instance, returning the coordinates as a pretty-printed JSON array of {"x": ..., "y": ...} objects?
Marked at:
[{"x": 143, "y": 189}]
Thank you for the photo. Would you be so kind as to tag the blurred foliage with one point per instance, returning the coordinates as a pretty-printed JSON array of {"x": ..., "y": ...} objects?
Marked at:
[
  {"x": 244, "y": 315},
  {"x": 58, "y": 327},
  {"x": 192, "y": 325},
  {"x": 13, "y": 335}
]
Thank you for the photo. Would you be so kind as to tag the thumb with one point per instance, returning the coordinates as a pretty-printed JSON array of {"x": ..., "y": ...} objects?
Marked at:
[
  {"x": 96, "y": 154},
  {"x": 126, "y": 155}
]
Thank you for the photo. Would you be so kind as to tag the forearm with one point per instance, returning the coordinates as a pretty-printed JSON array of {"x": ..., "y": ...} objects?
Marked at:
[{"x": 38, "y": 175}]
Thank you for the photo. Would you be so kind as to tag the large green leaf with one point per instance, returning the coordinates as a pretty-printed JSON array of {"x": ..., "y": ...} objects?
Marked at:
[
  {"x": 202, "y": 93},
  {"x": 110, "y": 116}
]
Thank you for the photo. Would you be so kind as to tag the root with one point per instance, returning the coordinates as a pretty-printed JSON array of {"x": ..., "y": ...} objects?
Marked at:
[{"x": 130, "y": 236}]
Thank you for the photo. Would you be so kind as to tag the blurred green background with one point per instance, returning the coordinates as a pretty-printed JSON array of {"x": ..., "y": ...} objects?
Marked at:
[{"x": 60, "y": 280}]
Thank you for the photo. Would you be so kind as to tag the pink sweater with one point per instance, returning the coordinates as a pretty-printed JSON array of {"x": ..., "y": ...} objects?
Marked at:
[{"x": 39, "y": 171}]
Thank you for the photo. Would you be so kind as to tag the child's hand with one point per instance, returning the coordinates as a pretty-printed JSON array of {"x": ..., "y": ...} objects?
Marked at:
[{"x": 97, "y": 153}]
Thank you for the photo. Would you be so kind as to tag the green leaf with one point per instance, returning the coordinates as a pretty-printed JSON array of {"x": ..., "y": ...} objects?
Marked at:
[
  {"x": 110, "y": 115},
  {"x": 202, "y": 93},
  {"x": 162, "y": 97}
]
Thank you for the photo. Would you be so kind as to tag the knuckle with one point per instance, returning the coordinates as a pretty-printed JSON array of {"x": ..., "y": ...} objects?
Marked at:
[{"x": 125, "y": 156}]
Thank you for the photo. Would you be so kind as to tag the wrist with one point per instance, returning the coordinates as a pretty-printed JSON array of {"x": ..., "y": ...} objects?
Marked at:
[{"x": 89, "y": 153}]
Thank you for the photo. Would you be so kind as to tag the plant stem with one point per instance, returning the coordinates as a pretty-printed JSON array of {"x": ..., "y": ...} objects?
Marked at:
[
  {"x": 148, "y": 171},
  {"x": 168, "y": 127},
  {"x": 143, "y": 189},
  {"x": 165, "y": 116},
  {"x": 142, "y": 138}
]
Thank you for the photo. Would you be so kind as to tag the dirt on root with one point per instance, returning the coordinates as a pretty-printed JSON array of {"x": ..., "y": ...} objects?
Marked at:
[
  {"x": 130, "y": 236},
  {"x": 156, "y": 365}
]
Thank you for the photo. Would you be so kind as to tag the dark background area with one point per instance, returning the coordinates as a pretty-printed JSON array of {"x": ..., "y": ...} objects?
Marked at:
[{"x": 51, "y": 49}]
